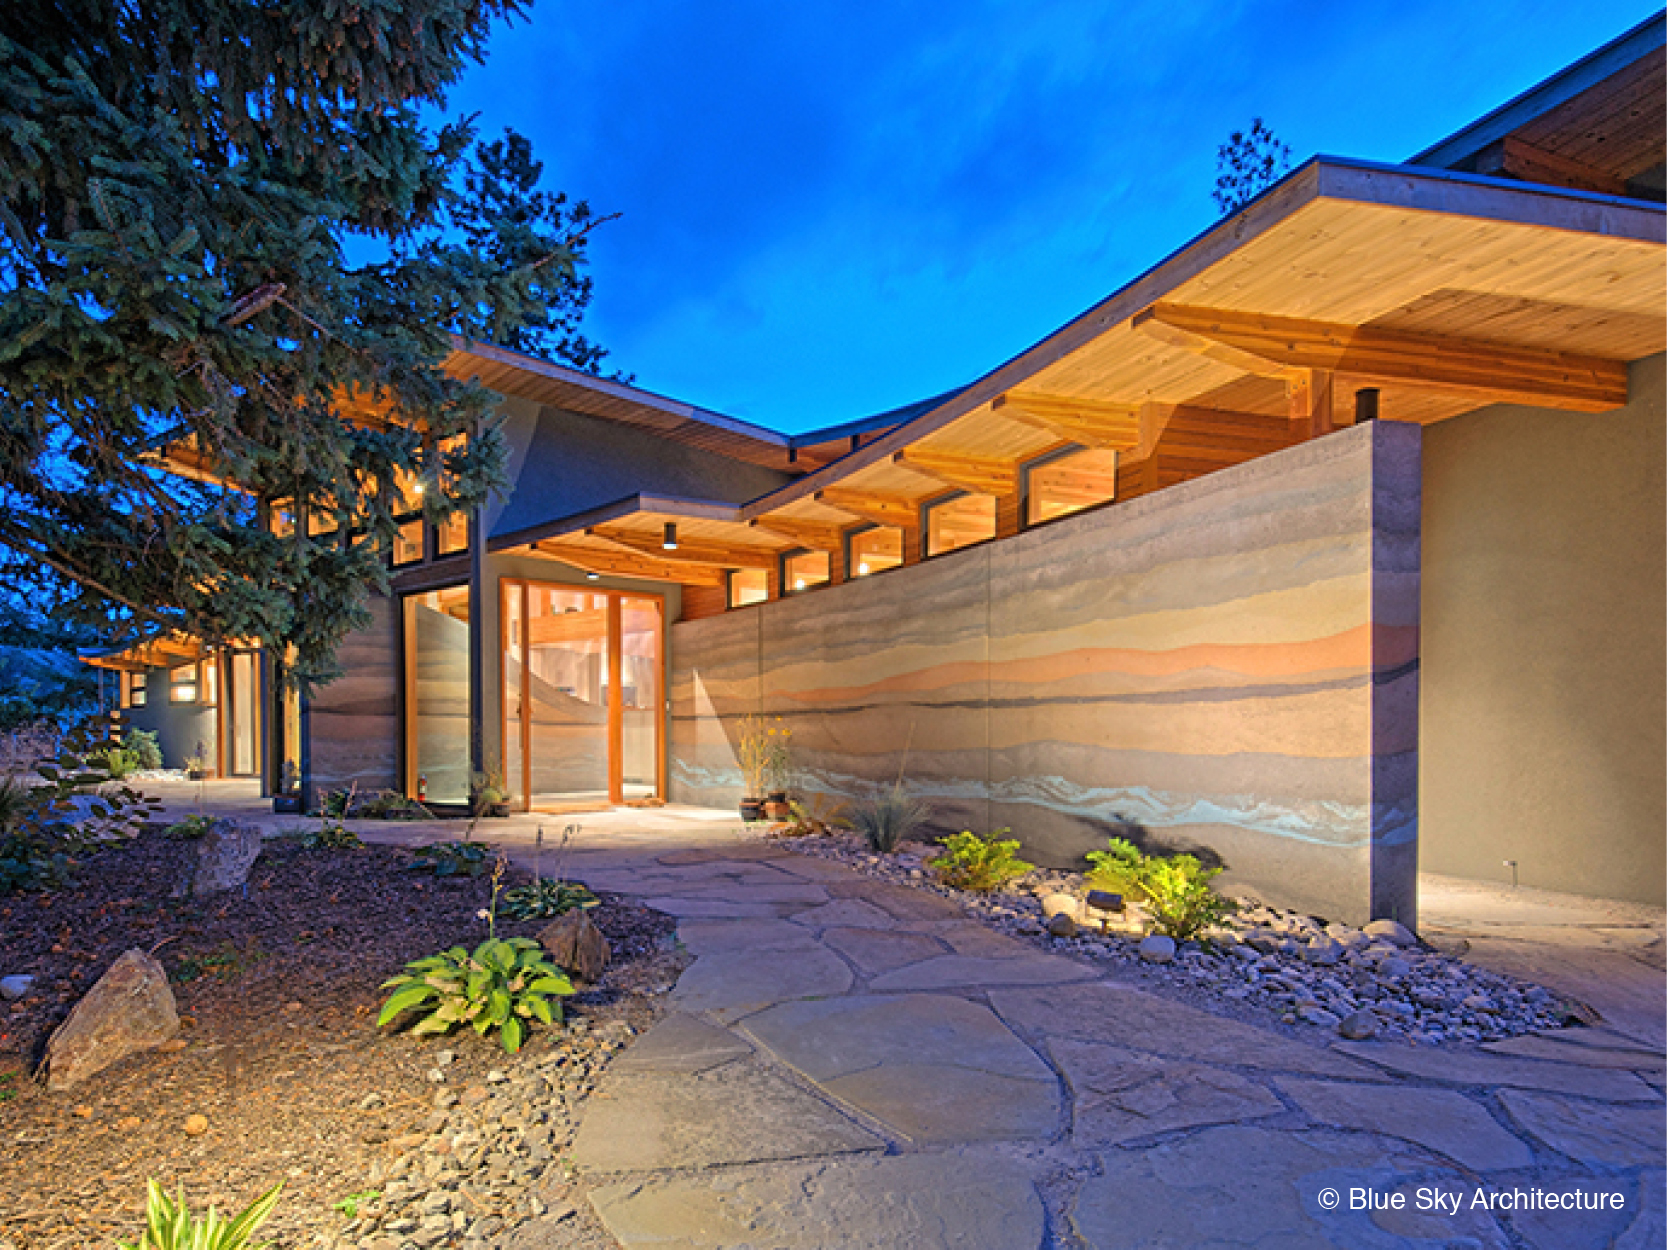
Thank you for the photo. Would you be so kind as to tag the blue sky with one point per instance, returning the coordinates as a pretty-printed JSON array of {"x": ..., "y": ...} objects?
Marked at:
[{"x": 833, "y": 209}]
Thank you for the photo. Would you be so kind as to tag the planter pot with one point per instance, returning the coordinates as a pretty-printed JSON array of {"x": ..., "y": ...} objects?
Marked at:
[
  {"x": 777, "y": 809},
  {"x": 752, "y": 809}
]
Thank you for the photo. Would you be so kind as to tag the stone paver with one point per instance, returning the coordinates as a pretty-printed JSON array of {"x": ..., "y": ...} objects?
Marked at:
[
  {"x": 918, "y": 1202},
  {"x": 1457, "y": 1067},
  {"x": 711, "y": 937},
  {"x": 1140, "y": 1021},
  {"x": 712, "y": 907},
  {"x": 898, "y": 901},
  {"x": 844, "y": 913},
  {"x": 1638, "y": 1225},
  {"x": 957, "y": 971},
  {"x": 736, "y": 983},
  {"x": 1446, "y": 1122},
  {"x": 1613, "y": 1136},
  {"x": 1119, "y": 1095},
  {"x": 929, "y": 1104},
  {"x": 741, "y": 1112},
  {"x": 682, "y": 1043},
  {"x": 968, "y": 937},
  {"x": 875, "y": 951},
  {"x": 1564, "y": 1048},
  {"x": 1253, "y": 1187}
]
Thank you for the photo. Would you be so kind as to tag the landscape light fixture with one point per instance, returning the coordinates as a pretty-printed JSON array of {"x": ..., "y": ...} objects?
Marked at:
[{"x": 668, "y": 540}]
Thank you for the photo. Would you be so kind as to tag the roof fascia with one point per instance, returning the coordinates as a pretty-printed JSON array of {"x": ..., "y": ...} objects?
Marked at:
[
  {"x": 1648, "y": 36},
  {"x": 617, "y": 390},
  {"x": 1321, "y": 177}
]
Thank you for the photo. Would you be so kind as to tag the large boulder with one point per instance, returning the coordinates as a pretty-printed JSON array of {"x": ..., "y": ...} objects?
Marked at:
[
  {"x": 575, "y": 944},
  {"x": 130, "y": 1009},
  {"x": 225, "y": 854}
]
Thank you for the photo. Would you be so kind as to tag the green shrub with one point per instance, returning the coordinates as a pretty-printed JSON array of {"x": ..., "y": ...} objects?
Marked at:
[
  {"x": 980, "y": 862},
  {"x": 114, "y": 759},
  {"x": 1175, "y": 888},
  {"x": 189, "y": 829},
  {"x": 142, "y": 745},
  {"x": 331, "y": 835},
  {"x": 506, "y": 984},
  {"x": 26, "y": 867},
  {"x": 545, "y": 898},
  {"x": 169, "y": 1226},
  {"x": 389, "y": 805},
  {"x": 72, "y": 811},
  {"x": 890, "y": 818},
  {"x": 453, "y": 859}
]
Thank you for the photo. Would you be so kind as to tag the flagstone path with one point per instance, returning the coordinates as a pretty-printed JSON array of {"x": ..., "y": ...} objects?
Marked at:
[{"x": 850, "y": 1064}]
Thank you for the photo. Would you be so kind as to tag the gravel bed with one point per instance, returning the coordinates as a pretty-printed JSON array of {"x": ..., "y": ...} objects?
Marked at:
[{"x": 1263, "y": 963}]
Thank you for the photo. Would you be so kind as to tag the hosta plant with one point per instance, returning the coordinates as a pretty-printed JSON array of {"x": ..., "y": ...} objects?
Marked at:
[
  {"x": 169, "y": 1226},
  {"x": 544, "y": 898},
  {"x": 331, "y": 835},
  {"x": 981, "y": 862},
  {"x": 453, "y": 859},
  {"x": 504, "y": 984}
]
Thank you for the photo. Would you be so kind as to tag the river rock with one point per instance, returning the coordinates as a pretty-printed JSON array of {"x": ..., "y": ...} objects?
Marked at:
[
  {"x": 130, "y": 1009},
  {"x": 574, "y": 943},
  {"x": 225, "y": 854},
  {"x": 1157, "y": 949},
  {"x": 1358, "y": 1026},
  {"x": 16, "y": 986},
  {"x": 1060, "y": 924},
  {"x": 1059, "y": 904},
  {"x": 1390, "y": 931},
  {"x": 1322, "y": 951}
]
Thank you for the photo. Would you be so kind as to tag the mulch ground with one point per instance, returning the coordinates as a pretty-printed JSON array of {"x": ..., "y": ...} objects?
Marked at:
[{"x": 278, "y": 990}]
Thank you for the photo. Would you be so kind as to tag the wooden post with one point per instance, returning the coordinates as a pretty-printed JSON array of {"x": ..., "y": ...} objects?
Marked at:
[
  {"x": 616, "y": 702},
  {"x": 1308, "y": 393}
]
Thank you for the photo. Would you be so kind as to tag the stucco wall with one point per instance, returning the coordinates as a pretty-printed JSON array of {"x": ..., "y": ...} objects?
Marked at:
[
  {"x": 1230, "y": 663},
  {"x": 1543, "y": 623},
  {"x": 179, "y": 727}
]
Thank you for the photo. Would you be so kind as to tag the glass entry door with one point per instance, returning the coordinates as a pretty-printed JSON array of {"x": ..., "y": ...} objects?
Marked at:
[{"x": 582, "y": 695}]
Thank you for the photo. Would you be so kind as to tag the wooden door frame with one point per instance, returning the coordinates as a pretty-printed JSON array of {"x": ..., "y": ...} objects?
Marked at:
[{"x": 615, "y": 658}]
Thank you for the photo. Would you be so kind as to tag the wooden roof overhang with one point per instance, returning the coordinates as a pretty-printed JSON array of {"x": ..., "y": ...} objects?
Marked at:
[
  {"x": 167, "y": 651},
  {"x": 1441, "y": 292},
  {"x": 627, "y": 539}
]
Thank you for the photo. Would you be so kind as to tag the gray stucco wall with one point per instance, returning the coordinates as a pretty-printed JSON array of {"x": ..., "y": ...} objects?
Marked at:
[
  {"x": 178, "y": 727},
  {"x": 1544, "y": 718},
  {"x": 1231, "y": 663}
]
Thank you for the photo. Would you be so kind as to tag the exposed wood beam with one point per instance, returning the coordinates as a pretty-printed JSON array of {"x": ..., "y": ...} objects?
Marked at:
[
  {"x": 578, "y": 626},
  {"x": 1488, "y": 372},
  {"x": 979, "y": 474},
  {"x": 812, "y": 535},
  {"x": 1516, "y": 158},
  {"x": 1309, "y": 399},
  {"x": 629, "y": 564},
  {"x": 1091, "y": 422},
  {"x": 689, "y": 550},
  {"x": 871, "y": 506}
]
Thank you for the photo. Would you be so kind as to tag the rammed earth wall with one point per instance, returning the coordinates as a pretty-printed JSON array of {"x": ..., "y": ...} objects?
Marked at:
[{"x": 1232, "y": 663}]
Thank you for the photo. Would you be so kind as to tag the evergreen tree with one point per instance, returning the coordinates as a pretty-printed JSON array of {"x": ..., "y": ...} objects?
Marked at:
[
  {"x": 179, "y": 180},
  {"x": 1248, "y": 164}
]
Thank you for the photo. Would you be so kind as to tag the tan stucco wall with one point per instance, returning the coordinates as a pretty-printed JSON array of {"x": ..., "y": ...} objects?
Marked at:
[{"x": 1543, "y": 725}]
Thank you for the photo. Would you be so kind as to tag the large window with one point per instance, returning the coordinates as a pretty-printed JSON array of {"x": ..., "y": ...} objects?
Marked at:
[
  {"x": 182, "y": 684},
  {"x": 1067, "y": 482},
  {"x": 873, "y": 550},
  {"x": 959, "y": 521},
  {"x": 437, "y": 693}
]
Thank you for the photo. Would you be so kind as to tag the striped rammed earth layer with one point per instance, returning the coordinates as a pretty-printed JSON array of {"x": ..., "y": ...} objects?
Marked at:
[{"x": 1231, "y": 662}]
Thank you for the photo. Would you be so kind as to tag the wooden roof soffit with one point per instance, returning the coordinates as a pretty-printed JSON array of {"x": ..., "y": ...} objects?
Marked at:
[
  {"x": 688, "y": 550},
  {"x": 1490, "y": 372},
  {"x": 1514, "y": 157},
  {"x": 1091, "y": 422},
  {"x": 629, "y": 564},
  {"x": 865, "y": 505},
  {"x": 811, "y": 535},
  {"x": 979, "y": 474}
]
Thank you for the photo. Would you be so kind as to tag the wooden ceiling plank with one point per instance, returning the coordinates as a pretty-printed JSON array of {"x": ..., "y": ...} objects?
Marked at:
[
  {"x": 629, "y": 564},
  {"x": 688, "y": 550},
  {"x": 1091, "y": 422},
  {"x": 1517, "y": 158},
  {"x": 896, "y": 510},
  {"x": 979, "y": 474},
  {"x": 1495, "y": 372},
  {"x": 812, "y": 535}
]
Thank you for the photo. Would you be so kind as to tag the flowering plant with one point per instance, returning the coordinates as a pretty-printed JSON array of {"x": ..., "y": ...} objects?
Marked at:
[{"x": 764, "y": 754}]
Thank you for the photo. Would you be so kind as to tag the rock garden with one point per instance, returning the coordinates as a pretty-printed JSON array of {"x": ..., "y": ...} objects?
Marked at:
[
  {"x": 206, "y": 1005},
  {"x": 1161, "y": 922}
]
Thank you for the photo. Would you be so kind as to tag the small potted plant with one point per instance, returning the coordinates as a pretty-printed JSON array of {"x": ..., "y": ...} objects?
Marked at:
[
  {"x": 778, "y": 769},
  {"x": 488, "y": 795},
  {"x": 196, "y": 764},
  {"x": 753, "y": 752},
  {"x": 288, "y": 798}
]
